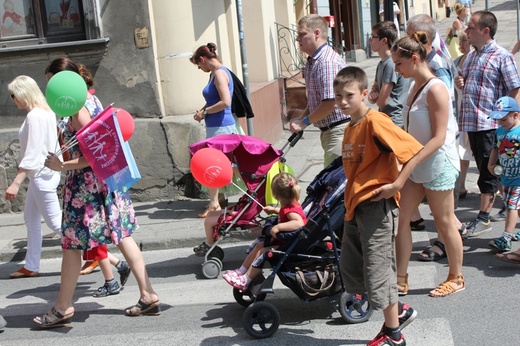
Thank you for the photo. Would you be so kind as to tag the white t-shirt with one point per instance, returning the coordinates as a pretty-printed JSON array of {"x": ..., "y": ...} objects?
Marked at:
[{"x": 396, "y": 13}]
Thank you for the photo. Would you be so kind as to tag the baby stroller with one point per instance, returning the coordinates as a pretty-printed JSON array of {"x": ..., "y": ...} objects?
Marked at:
[
  {"x": 309, "y": 263},
  {"x": 255, "y": 159}
]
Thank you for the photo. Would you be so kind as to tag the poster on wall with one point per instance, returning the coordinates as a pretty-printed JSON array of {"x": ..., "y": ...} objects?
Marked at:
[
  {"x": 17, "y": 18},
  {"x": 63, "y": 16}
]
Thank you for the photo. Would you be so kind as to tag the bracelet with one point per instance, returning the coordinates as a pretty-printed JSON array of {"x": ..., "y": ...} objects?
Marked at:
[{"x": 306, "y": 121}]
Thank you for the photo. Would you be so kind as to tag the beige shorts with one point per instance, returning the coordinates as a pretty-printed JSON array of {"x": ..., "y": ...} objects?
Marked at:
[{"x": 368, "y": 252}]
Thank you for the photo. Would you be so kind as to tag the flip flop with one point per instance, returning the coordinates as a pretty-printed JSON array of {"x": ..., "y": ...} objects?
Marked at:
[
  {"x": 59, "y": 319},
  {"x": 143, "y": 309},
  {"x": 511, "y": 257}
]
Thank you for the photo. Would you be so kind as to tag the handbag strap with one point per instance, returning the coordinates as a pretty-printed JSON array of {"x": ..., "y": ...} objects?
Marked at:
[
  {"x": 324, "y": 280},
  {"x": 413, "y": 100}
]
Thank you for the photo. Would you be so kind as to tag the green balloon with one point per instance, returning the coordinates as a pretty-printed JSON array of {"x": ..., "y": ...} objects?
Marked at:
[{"x": 66, "y": 93}]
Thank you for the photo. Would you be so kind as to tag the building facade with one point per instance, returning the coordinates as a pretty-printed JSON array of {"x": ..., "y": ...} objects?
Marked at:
[{"x": 138, "y": 52}]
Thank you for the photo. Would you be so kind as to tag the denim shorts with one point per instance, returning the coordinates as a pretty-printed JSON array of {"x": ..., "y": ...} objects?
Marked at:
[
  {"x": 446, "y": 180},
  {"x": 220, "y": 130}
]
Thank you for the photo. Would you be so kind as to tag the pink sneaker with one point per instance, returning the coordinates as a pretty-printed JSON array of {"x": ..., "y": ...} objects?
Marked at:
[
  {"x": 231, "y": 276},
  {"x": 241, "y": 283}
]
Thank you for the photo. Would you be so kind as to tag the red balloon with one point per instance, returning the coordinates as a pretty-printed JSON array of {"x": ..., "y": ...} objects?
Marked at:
[
  {"x": 211, "y": 168},
  {"x": 126, "y": 123}
]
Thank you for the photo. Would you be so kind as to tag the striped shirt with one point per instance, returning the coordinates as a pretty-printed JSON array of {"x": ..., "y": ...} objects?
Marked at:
[
  {"x": 320, "y": 71},
  {"x": 488, "y": 75}
]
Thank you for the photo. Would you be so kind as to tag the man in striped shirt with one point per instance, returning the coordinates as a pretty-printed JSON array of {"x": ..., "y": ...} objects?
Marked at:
[
  {"x": 488, "y": 73},
  {"x": 321, "y": 68}
]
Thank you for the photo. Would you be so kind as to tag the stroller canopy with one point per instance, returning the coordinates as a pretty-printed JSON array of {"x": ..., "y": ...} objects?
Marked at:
[{"x": 252, "y": 155}]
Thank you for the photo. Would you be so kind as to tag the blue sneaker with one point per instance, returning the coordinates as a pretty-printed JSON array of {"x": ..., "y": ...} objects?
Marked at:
[
  {"x": 478, "y": 226},
  {"x": 516, "y": 236},
  {"x": 501, "y": 244}
]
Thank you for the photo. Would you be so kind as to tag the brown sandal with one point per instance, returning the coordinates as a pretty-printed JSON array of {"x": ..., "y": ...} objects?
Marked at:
[
  {"x": 402, "y": 286},
  {"x": 445, "y": 289},
  {"x": 207, "y": 210}
]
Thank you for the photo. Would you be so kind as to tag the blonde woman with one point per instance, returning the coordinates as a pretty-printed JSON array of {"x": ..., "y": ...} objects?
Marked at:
[
  {"x": 457, "y": 27},
  {"x": 37, "y": 136}
]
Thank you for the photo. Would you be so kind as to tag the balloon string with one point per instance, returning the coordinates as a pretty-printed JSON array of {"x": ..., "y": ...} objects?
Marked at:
[
  {"x": 254, "y": 200},
  {"x": 70, "y": 143}
]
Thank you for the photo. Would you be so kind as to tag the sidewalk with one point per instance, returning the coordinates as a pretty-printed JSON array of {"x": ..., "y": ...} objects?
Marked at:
[{"x": 174, "y": 224}]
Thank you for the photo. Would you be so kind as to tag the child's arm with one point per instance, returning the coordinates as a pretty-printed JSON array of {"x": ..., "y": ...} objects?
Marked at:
[
  {"x": 384, "y": 93},
  {"x": 271, "y": 210},
  {"x": 295, "y": 222},
  {"x": 374, "y": 93},
  {"x": 492, "y": 162}
]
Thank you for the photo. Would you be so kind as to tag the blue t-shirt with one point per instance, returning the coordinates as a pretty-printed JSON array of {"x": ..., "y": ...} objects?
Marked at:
[
  {"x": 210, "y": 93},
  {"x": 508, "y": 145}
]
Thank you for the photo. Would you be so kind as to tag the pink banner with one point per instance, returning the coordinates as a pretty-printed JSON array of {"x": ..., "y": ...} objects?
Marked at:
[{"x": 100, "y": 144}]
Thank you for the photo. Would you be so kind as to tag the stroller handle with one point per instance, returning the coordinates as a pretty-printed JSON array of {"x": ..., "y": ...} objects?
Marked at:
[{"x": 295, "y": 137}]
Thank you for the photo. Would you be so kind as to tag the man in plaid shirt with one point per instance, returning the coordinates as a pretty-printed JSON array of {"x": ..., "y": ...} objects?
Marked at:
[
  {"x": 320, "y": 70},
  {"x": 488, "y": 73}
]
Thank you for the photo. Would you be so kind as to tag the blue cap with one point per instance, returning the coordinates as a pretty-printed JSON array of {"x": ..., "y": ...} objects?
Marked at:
[{"x": 504, "y": 105}]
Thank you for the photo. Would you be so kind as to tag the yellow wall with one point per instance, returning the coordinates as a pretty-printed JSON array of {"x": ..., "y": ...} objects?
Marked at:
[{"x": 181, "y": 26}]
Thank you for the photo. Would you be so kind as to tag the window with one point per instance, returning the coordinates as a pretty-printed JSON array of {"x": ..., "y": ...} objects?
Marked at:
[{"x": 31, "y": 22}]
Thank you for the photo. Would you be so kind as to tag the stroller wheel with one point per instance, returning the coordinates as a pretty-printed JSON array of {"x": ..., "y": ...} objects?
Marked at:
[
  {"x": 211, "y": 268},
  {"x": 355, "y": 308},
  {"x": 261, "y": 320},
  {"x": 244, "y": 298},
  {"x": 217, "y": 252}
]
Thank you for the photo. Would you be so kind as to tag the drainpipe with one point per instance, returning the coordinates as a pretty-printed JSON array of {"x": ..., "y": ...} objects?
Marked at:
[
  {"x": 313, "y": 7},
  {"x": 243, "y": 56},
  {"x": 518, "y": 20}
]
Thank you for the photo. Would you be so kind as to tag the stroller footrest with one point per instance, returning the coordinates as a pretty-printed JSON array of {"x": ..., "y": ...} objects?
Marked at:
[{"x": 267, "y": 285}]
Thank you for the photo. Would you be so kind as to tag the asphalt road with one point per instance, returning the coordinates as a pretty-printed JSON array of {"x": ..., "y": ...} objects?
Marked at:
[{"x": 198, "y": 311}]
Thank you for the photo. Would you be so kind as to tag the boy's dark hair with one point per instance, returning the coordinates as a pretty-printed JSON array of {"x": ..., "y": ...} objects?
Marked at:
[
  {"x": 351, "y": 74},
  {"x": 386, "y": 29},
  {"x": 487, "y": 20}
]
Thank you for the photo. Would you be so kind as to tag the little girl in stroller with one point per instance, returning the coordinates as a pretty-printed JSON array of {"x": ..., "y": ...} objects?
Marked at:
[{"x": 291, "y": 217}]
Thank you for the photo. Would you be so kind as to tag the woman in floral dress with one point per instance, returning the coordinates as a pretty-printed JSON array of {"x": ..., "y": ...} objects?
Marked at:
[{"x": 92, "y": 216}]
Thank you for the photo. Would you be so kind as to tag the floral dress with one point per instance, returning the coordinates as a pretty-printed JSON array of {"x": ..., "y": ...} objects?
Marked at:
[{"x": 92, "y": 214}]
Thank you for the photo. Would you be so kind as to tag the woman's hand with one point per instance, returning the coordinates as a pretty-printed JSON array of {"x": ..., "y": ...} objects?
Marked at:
[
  {"x": 54, "y": 163},
  {"x": 384, "y": 192},
  {"x": 199, "y": 115},
  {"x": 12, "y": 191}
]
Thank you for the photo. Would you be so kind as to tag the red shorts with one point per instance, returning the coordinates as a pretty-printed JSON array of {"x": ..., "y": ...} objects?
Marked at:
[{"x": 95, "y": 254}]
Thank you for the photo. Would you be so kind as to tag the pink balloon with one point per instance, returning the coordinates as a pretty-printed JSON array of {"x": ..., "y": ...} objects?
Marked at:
[
  {"x": 211, "y": 168},
  {"x": 126, "y": 123}
]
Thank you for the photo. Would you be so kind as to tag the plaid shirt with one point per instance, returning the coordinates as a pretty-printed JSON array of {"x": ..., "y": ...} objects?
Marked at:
[
  {"x": 488, "y": 75},
  {"x": 320, "y": 71}
]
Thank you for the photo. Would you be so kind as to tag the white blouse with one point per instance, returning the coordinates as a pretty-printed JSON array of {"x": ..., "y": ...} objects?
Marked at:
[{"x": 38, "y": 136}]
